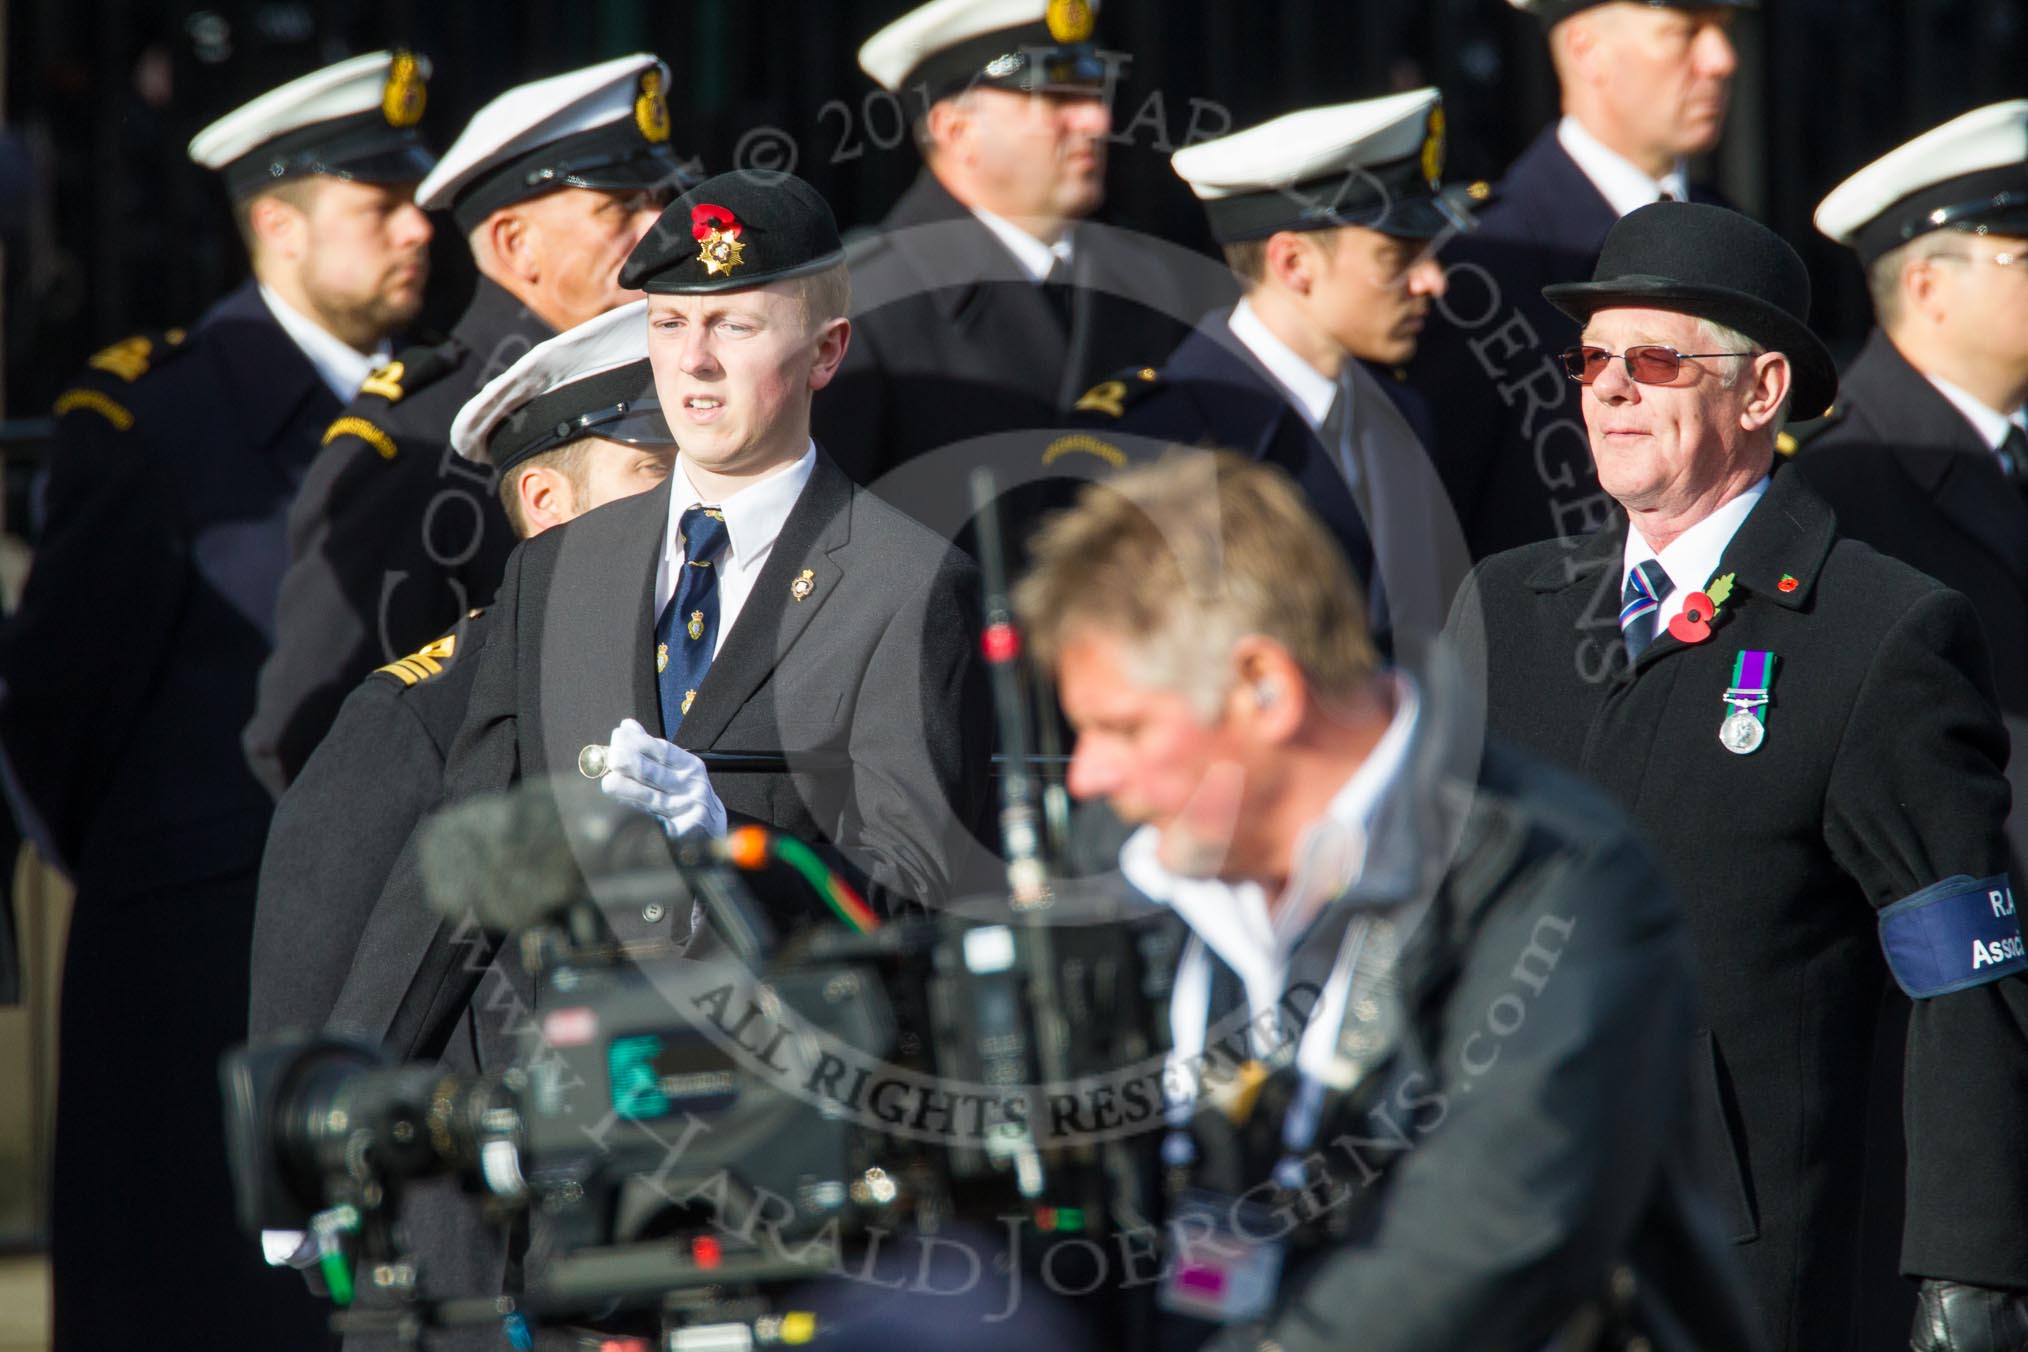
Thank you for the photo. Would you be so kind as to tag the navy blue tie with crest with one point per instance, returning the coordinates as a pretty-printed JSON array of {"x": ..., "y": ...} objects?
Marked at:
[{"x": 688, "y": 629}]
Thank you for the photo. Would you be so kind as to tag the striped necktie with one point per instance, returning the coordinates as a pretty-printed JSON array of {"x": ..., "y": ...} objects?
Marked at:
[
  {"x": 1640, "y": 604},
  {"x": 687, "y": 632}
]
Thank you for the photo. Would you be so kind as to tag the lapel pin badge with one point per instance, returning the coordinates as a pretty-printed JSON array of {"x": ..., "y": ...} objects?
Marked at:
[
  {"x": 804, "y": 585},
  {"x": 1788, "y": 583}
]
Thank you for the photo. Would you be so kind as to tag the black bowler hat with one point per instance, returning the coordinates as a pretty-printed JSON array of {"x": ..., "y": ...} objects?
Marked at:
[
  {"x": 1715, "y": 264},
  {"x": 736, "y": 231}
]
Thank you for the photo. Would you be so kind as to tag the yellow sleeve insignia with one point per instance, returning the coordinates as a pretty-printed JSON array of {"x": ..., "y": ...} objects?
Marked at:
[
  {"x": 114, "y": 412},
  {"x": 386, "y": 382},
  {"x": 1111, "y": 396},
  {"x": 130, "y": 358},
  {"x": 353, "y": 426},
  {"x": 1089, "y": 445},
  {"x": 426, "y": 661}
]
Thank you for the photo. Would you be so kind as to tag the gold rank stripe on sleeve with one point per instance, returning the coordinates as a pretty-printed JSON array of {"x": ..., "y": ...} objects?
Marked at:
[
  {"x": 413, "y": 670},
  {"x": 426, "y": 661},
  {"x": 353, "y": 426},
  {"x": 1089, "y": 445},
  {"x": 114, "y": 412}
]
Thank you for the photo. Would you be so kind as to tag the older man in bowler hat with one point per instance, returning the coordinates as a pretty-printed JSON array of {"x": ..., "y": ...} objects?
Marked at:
[{"x": 1807, "y": 731}]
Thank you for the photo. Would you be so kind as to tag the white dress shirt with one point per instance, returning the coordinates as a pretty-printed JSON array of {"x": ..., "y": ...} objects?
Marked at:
[
  {"x": 1624, "y": 184},
  {"x": 1233, "y": 919},
  {"x": 1312, "y": 392},
  {"x": 1035, "y": 256},
  {"x": 1992, "y": 425},
  {"x": 1692, "y": 557},
  {"x": 342, "y": 367},
  {"x": 753, "y": 518}
]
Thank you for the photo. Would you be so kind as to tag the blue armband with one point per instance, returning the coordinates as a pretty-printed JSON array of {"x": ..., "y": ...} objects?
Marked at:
[{"x": 1957, "y": 933}]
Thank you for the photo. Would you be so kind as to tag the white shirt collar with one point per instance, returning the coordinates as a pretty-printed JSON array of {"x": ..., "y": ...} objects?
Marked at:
[
  {"x": 1991, "y": 424},
  {"x": 1311, "y": 390},
  {"x": 1034, "y": 256},
  {"x": 753, "y": 515},
  {"x": 1692, "y": 557},
  {"x": 1333, "y": 854},
  {"x": 1622, "y": 183},
  {"x": 342, "y": 367}
]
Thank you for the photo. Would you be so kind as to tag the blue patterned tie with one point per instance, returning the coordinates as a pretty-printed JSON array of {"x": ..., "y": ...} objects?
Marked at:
[
  {"x": 1640, "y": 604},
  {"x": 688, "y": 629}
]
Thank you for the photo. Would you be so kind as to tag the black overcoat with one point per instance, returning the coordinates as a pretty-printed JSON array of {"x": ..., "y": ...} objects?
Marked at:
[{"x": 1880, "y": 774}]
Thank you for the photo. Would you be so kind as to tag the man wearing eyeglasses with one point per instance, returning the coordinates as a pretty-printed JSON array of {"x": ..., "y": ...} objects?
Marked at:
[
  {"x": 1807, "y": 732},
  {"x": 1925, "y": 456},
  {"x": 1331, "y": 219}
]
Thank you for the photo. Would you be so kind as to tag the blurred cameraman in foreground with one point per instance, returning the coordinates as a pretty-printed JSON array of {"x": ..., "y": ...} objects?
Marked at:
[{"x": 1431, "y": 1029}]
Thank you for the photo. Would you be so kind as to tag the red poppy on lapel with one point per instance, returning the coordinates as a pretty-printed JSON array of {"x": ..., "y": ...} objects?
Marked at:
[{"x": 1694, "y": 624}]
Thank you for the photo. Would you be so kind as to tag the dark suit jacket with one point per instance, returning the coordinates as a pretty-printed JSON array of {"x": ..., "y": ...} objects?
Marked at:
[
  {"x": 872, "y": 676},
  {"x": 951, "y": 340},
  {"x": 174, "y": 466},
  {"x": 1488, "y": 361},
  {"x": 1880, "y": 775},
  {"x": 393, "y": 539},
  {"x": 1909, "y": 475},
  {"x": 1214, "y": 392}
]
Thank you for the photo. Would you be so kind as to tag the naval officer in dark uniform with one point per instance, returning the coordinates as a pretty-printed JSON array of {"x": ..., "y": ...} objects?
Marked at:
[
  {"x": 1645, "y": 86},
  {"x": 320, "y": 954},
  {"x": 395, "y": 537},
  {"x": 1331, "y": 219},
  {"x": 989, "y": 301},
  {"x": 1806, "y": 732},
  {"x": 176, "y": 459},
  {"x": 1457, "y": 1117},
  {"x": 1925, "y": 455}
]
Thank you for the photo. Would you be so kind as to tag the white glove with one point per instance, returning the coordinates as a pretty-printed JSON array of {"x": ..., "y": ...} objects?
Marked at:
[{"x": 663, "y": 780}]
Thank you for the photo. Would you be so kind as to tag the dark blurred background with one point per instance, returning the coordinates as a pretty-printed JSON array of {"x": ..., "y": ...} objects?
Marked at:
[{"x": 110, "y": 229}]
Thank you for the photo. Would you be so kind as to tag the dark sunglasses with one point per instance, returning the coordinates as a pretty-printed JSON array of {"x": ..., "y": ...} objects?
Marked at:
[{"x": 1647, "y": 363}]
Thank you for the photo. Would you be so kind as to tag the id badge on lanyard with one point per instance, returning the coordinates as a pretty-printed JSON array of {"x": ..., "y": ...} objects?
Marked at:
[{"x": 1228, "y": 1259}]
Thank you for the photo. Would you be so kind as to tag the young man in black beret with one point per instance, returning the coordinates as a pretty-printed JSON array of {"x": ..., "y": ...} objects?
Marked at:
[
  {"x": 1807, "y": 732},
  {"x": 762, "y": 603}
]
